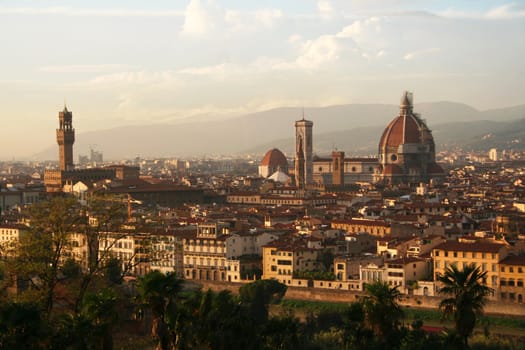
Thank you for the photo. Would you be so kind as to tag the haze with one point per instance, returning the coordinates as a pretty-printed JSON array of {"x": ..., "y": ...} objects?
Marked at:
[{"x": 141, "y": 62}]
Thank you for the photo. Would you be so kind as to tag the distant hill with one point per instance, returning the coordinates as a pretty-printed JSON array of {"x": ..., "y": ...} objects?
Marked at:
[{"x": 354, "y": 128}]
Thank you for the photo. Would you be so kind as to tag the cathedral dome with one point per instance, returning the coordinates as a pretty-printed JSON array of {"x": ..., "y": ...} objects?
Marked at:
[
  {"x": 274, "y": 159},
  {"x": 407, "y": 149},
  {"x": 407, "y": 127}
]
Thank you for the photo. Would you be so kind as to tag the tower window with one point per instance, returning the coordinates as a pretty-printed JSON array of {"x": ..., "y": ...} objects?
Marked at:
[{"x": 393, "y": 157}]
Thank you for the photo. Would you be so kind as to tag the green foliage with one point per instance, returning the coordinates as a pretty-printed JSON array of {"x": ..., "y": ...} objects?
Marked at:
[
  {"x": 258, "y": 295},
  {"x": 21, "y": 326},
  {"x": 327, "y": 259},
  {"x": 158, "y": 293},
  {"x": 467, "y": 298},
  {"x": 41, "y": 251},
  {"x": 71, "y": 268},
  {"x": 381, "y": 308},
  {"x": 114, "y": 270},
  {"x": 92, "y": 328}
]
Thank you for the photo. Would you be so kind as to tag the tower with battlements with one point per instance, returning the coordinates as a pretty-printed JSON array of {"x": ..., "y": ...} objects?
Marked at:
[{"x": 65, "y": 140}]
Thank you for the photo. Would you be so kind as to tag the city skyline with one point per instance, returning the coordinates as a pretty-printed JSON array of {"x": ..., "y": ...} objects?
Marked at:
[{"x": 119, "y": 63}]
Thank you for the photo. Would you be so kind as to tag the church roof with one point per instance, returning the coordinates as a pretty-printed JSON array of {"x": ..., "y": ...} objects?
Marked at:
[
  {"x": 407, "y": 127},
  {"x": 279, "y": 176},
  {"x": 275, "y": 159}
]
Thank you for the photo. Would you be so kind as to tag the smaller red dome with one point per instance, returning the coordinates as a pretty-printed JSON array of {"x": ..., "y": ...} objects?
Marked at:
[{"x": 275, "y": 159}]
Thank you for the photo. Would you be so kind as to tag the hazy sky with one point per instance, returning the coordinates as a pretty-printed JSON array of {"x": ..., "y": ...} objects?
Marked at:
[{"x": 135, "y": 62}]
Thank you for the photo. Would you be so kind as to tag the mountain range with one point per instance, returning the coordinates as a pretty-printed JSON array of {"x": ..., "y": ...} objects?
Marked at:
[{"x": 353, "y": 128}]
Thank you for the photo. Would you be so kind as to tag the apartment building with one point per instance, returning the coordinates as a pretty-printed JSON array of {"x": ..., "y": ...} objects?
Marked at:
[
  {"x": 512, "y": 275},
  {"x": 288, "y": 256},
  {"x": 205, "y": 252},
  {"x": 485, "y": 255}
]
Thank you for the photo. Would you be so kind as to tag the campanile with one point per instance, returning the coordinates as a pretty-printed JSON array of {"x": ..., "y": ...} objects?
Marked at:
[
  {"x": 65, "y": 139},
  {"x": 303, "y": 153}
]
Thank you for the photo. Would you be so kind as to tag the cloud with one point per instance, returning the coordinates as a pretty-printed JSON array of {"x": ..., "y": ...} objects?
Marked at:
[
  {"x": 206, "y": 70},
  {"x": 83, "y": 68},
  {"x": 67, "y": 11},
  {"x": 412, "y": 55},
  {"x": 316, "y": 52},
  {"x": 507, "y": 11},
  {"x": 325, "y": 8},
  {"x": 132, "y": 79},
  {"x": 358, "y": 27},
  {"x": 294, "y": 38},
  {"x": 242, "y": 21},
  {"x": 200, "y": 18}
]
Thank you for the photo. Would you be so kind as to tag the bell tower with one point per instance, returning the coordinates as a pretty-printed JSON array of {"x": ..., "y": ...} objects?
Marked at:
[
  {"x": 65, "y": 139},
  {"x": 303, "y": 153}
]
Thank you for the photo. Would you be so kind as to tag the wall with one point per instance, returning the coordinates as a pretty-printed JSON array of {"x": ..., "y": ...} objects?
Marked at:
[{"x": 496, "y": 308}]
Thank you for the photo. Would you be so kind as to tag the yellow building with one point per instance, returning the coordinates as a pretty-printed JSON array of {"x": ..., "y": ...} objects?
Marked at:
[
  {"x": 287, "y": 256},
  {"x": 512, "y": 275},
  {"x": 373, "y": 227},
  {"x": 485, "y": 255}
]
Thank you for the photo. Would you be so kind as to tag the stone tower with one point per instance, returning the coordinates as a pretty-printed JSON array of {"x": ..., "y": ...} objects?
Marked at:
[
  {"x": 303, "y": 153},
  {"x": 65, "y": 139},
  {"x": 338, "y": 168}
]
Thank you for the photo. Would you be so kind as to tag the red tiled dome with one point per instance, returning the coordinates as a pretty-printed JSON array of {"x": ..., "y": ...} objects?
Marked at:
[
  {"x": 274, "y": 159},
  {"x": 403, "y": 129}
]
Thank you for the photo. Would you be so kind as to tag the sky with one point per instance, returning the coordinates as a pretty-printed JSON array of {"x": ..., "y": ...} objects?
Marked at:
[{"x": 130, "y": 62}]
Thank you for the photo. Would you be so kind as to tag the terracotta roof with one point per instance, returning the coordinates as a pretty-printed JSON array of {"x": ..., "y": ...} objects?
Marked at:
[
  {"x": 403, "y": 129},
  {"x": 482, "y": 247},
  {"x": 274, "y": 158},
  {"x": 513, "y": 260}
]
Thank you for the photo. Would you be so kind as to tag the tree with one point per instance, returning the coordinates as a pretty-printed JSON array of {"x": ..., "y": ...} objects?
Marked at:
[
  {"x": 468, "y": 296},
  {"x": 41, "y": 252},
  {"x": 381, "y": 308},
  {"x": 158, "y": 292},
  {"x": 21, "y": 326},
  {"x": 258, "y": 295},
  {"x": 210, "y": 320},
  {"x": 105, "y": 214},
  {"x": 92, "y": 327},
  {"x": 355, "y": 335}
]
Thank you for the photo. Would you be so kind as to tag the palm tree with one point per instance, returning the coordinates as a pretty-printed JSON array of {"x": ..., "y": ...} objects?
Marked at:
[
  {"x": 467, "y": 298},
  {"x": 158, "y": 292},
  {"x": 381, "y": 308}
]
